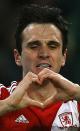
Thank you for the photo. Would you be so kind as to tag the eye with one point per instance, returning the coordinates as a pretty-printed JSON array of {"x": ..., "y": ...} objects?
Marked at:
[
  {"x": 33, "y": 45},
  {"x": 53, "y": 45}
]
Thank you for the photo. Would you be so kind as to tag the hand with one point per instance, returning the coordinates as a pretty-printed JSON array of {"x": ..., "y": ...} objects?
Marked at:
[
  {"x": 58, "y": 89},
  {"x": 20, "y": 98},
  {"x": 63, "y": 88}
]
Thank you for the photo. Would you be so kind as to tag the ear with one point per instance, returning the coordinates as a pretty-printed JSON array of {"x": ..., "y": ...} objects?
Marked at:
[
  {"x": 17, "y": 57},
  {"x": 64, "y": 57}
]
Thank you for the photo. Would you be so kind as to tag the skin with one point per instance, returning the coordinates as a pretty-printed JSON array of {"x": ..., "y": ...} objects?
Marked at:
[{"x": 41, "y": 43}]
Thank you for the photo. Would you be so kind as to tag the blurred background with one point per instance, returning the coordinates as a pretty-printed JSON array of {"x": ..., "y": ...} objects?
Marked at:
[{"x": 9, "y": 11}]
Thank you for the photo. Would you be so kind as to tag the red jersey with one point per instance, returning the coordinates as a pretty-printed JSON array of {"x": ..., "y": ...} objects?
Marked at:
[{"x": 55, "y": 117}]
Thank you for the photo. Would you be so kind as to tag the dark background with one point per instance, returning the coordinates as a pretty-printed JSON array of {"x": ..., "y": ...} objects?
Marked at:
[{"x": 9, "y": 10}]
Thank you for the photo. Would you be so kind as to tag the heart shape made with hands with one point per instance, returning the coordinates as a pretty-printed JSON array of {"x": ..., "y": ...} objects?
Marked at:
[{"x": 44, "y": 92}]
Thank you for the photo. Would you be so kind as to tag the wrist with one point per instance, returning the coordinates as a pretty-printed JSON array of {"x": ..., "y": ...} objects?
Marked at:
[
  {"x": 77, "y": 93},
  {"x": 4, "y": 107}
]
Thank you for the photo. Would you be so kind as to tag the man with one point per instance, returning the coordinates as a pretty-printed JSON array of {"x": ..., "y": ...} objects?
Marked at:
[{"x": 43, "y": 100}]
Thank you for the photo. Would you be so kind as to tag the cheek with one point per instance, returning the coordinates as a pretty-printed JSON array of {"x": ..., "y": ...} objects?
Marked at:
[
  {"x": 26, "y": 64},
  {"x": 57, "y": 58},
  {"x": 28, "y": 59}
]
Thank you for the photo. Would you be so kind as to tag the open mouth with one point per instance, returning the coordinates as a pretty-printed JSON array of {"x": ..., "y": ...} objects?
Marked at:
[{"x": 43, "y": 65}]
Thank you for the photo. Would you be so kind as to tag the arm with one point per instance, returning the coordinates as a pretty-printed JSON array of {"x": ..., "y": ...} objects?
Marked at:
[
  {"x": 77, "y": 94},
  {"x": 64, "y": 89},
  {"x": 19, "y": 98}
]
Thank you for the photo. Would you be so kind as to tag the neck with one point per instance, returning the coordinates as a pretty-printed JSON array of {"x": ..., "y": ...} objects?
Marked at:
[{"x": 41, "y": 92}]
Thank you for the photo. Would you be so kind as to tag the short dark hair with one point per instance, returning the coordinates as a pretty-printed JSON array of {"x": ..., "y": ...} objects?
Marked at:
[{"x": 41, "y": 14}]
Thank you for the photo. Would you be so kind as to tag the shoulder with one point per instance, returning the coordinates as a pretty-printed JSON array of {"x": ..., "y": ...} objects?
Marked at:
[
  {"x": 12, "y": 86},
  {"x": 3, "y": 92},
  {"x": 67, "y": 115},
  {"x": 6, "y": 91}
]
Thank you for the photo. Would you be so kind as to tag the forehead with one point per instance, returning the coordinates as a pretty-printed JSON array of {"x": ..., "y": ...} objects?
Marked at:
[{"x": 41, "y": 31}]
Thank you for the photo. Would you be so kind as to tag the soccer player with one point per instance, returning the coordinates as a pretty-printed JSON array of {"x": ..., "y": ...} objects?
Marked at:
[{"x": 43, "y": 100}]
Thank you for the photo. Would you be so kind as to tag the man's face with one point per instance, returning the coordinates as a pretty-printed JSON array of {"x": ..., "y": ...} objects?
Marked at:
[{"x": 41, "y": 48}]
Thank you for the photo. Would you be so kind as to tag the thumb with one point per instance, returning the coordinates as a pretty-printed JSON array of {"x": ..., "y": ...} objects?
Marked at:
[
  {"x": 50, "y": 100},
  {"x": 35, "y": 103}
]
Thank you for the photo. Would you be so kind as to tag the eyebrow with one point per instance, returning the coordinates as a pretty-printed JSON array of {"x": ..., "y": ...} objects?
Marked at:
[
  {"x": 39, "y": 43},
  {"x": 33, "y": 42},
  {"x": 54, "y": 42}
]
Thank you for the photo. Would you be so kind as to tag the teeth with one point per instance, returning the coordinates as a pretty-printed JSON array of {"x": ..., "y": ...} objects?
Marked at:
[{"x": 44, "y": 65}]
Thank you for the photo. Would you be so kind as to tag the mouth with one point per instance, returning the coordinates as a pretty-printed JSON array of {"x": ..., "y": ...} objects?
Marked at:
[{"x": 43, "y": 65}]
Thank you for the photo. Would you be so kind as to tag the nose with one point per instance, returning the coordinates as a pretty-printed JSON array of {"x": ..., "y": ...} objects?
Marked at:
[{"x": 43, "y": 53}]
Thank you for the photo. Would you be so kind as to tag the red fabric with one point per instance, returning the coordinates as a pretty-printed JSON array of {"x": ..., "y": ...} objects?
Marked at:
[
  {"x": 4, "y": 93},
  {"x": 47, "y": 115},
  {"x": 39, "y": 120}
]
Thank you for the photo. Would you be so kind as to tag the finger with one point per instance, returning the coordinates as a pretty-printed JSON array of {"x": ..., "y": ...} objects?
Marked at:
[
  {"x": 27, "y": 80},
  {"x": 48, "y": 71},
  {"x": 31, "y": 76},
  {"x": 42, "y": 75},
  {"x": 50, "y": 100},
  {"x": 44, "y": 71},
  {"x": 45, "y": 76},
  {"x": 35, "y": 103},
  {"x": 34, "y": 78}
]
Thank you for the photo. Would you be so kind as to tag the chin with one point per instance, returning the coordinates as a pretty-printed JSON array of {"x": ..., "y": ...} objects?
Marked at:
[{"x": 37, "y": 70}]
